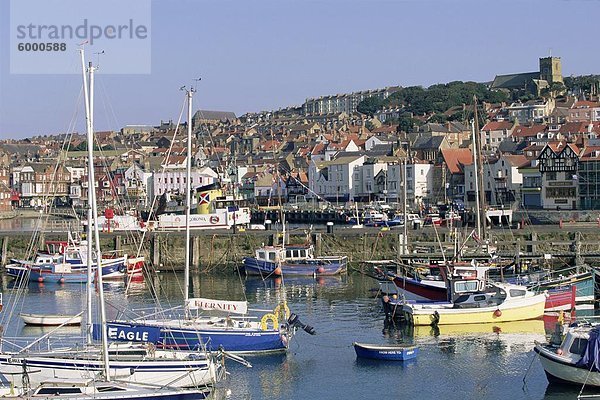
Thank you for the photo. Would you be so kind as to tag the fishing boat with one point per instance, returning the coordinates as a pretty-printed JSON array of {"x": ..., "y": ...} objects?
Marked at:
[
  {"x": 433, "y": 287},
  {"x": 575, "y": 361},
  {"x": 215, "y": 210},
  {"x": 271, "y": 261},
  {"x": 65, "y": 262},
  {"x": 214, "y": 323},
  {"x": 388, "y": 352},
  {"x": 50, "y": 319},
  {"x": 475, "y": 302}
]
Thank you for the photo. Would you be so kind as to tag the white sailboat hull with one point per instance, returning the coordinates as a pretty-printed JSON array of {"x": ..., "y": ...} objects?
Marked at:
[
  {"x": 50, "y": 319},
  {"x": 170, "y": 372}
]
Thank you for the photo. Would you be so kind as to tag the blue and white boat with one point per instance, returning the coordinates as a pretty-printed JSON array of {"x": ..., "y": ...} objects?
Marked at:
[
  {"x": 388, "y": 352},
  {"x": 64, "y": 262},
  {"x": 298, "y": 260},
  {"x": 233, "y": 331}
]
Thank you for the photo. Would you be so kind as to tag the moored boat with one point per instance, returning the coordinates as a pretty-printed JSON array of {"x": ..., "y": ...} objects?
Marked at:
[
  {"x": 292, "y": 260},
  {"x": 50, "y": 319},
  {"x": 65, "y": 262},
  {"x": 390, "y": 352},
  {"x": 477, "y": 302},
  {"x": 576, "y": 360}
]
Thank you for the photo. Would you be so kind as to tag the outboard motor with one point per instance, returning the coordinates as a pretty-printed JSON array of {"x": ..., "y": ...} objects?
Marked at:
[{"x": 295, "y": 322}]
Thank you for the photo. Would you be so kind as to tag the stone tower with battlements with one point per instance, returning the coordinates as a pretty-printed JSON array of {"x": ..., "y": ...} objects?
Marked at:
[{"x": 551, "y": 70}]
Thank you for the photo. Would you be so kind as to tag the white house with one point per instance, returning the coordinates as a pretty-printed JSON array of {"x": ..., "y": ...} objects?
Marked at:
[
  {"x": 332, "y": 180},
  {"x": 136, "y": 182},
  {"x": 419, "y": 179},
  {"x": 502, "y": 181},
  {"x": 173, "y": 180},
  {"x": 364, "y": 181}
]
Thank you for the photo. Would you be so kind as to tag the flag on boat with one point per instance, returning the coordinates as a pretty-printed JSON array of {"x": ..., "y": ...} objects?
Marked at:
[
  {"x": 204, "y": 198},
  {"x": 234, "y": 307}
]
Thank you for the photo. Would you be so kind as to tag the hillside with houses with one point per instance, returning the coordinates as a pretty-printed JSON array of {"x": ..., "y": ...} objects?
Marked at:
[{"x": 540, "y": 150}]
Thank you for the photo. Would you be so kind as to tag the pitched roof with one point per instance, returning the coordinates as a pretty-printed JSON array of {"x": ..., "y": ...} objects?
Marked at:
[
  {"x": 497, "y": 126},
  {"x": 214, "y": 115},
  {"x": 455, "y": 159},
  {"x": 559, "y": 146},
  {"x": 508, "y": 146},
  {"x": 573, "y": 127},
  {"x": 516, "y": 160},
  {"x": 427, "y": 142},
  {"x": 523, "y": 131},
  {"x": 586, "y": 104},
  {"x": 514, "y": 81},
  {"x": 590, "y": 153}
]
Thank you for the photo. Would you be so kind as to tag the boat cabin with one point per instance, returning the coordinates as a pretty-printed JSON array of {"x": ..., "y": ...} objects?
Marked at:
[
  {"x": 275, "y": 254},
  {"x": 474, "y": 293},
  {"x": 574, "y": 343}
]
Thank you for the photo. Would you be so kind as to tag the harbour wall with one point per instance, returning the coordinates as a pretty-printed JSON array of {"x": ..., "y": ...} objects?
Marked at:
[{"x": 222, "y": 251}]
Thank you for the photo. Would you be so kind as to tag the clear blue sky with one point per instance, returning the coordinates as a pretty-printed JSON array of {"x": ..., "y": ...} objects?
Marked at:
[{"x": 263, "y": 54}]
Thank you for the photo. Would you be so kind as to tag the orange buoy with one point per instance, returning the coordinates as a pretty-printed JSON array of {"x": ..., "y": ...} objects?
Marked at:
[
  {"x": 497, "y": 313},
  {"x": 277, "y": 271}
]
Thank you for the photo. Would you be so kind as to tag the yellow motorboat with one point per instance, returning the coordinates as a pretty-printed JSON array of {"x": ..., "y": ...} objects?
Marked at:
[{"x": 478, "y": 302}]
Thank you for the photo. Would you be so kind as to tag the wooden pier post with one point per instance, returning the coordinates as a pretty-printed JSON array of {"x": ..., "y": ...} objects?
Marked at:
[
  {"x": 5, "y": 250},
  {"x": 155, "y": 244},
  {"x": 532, "y": 248},
  {"x": 195, "y": 262},
  {"x": 318, "y": 244},
  {"x": 518, "y": 268}
]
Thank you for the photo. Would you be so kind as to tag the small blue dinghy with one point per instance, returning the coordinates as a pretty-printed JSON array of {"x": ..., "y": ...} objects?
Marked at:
[{"x": 390, "y": 352}]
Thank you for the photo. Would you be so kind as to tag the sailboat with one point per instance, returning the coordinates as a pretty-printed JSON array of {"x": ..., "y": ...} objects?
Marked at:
[
  {"x": 230, "y": 327},
  {"x": 143, "y": 371}
]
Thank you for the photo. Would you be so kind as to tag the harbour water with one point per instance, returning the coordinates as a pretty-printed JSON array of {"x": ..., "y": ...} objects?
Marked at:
[{"x": 461, "y": 362}]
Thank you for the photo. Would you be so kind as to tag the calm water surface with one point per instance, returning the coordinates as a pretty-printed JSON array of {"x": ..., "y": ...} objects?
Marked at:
[{"x": 468, "y": 362}]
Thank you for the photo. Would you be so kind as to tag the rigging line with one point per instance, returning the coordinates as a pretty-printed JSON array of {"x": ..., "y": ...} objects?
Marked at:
[
  {"x": 164, "y": 166},
  {"x": 33, "y": 244}
]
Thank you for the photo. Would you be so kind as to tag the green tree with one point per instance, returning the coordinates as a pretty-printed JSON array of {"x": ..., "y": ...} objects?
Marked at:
[
  {"x": 369, "y": 106},
  {"x": 406, "y": 123}
]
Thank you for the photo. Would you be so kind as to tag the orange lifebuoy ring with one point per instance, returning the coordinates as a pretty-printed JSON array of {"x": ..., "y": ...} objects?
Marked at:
[{"x": 214, "y": 219}]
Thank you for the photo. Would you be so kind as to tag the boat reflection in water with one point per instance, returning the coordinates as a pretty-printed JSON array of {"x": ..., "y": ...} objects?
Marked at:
[
  {"x": 35, "y": 331},
  {"x": 510, "y": 336}
]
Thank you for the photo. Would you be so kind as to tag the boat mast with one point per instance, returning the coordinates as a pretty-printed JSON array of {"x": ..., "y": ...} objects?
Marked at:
[
  {"x": 404, "y": 204},
  {"x": 188, "y": 200},
  {"x": 479, "y": 171},
  {"x": 89, "y": 210},
  {"x": 94, "y": 216},
  {"x": 475, "y": 169}
]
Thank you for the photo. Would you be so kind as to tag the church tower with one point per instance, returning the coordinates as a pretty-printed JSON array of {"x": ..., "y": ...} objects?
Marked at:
[{"x": 551, "y": 70}]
